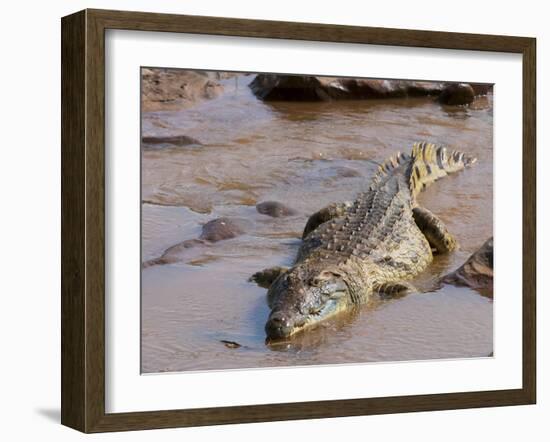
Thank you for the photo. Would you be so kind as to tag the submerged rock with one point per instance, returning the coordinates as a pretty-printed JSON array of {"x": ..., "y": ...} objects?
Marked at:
[
  {"x": 230, "y": 344},
  {"x": 457, "y": 94},
  {"x": 173, "y": 254},
  {"x": 213, "y": 231},
  {"x": 340, "y": 172},
  {"x": 274, "y": 209},
  {"x": 222, "y": 228},
  {"x": 477, "y": 271},
  {"x": 176, "y": 140}
]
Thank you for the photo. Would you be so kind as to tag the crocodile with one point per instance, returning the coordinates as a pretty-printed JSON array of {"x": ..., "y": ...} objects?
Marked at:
[{"x": 372, "y": 245}]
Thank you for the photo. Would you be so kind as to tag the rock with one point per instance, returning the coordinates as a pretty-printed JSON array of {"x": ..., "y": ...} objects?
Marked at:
[
  {"x": 274, "y": 209},
  {"x": 213, "y": 231},
  {"x": 222, "y": 228},
  {"x": 272, "y": 87},
  {"x": 275, "y": 87},
  {"x": 481, "y": 88},
  {"x": 230, "y": 344},
  {"x": 424, "y": 88},
  {"x": 477, "y": 271},
  {"x": 171, "y": 89},
  {"x": 173, "y": 254},
  {"x": 457, "y": 94},
  {"x": 176, "y": 140},
  {"x": 188, "y": 243},
  {"x": 362, "y": 88}
]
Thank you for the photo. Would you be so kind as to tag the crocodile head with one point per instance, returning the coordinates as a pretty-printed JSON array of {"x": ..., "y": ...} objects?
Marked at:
[{"x": 301, "y": 298}]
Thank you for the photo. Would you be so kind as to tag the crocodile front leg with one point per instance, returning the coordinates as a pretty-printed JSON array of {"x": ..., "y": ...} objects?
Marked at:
[
  {"x": 394, "y": 289},
  {"x": 434, "y": 230},
  {"x": 265, "y": 278},
  {"x": 329, "y": 212}
]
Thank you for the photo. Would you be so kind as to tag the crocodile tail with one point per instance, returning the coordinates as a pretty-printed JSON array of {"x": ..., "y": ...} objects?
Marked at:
[{"x": 429, "y": 162}]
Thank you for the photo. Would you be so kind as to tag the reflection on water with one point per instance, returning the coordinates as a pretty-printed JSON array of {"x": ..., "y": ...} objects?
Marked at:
[{"x": 306, "y": 155}]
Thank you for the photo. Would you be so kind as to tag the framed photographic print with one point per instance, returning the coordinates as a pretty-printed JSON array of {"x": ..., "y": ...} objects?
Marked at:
[{"x": 268, "y": 220}]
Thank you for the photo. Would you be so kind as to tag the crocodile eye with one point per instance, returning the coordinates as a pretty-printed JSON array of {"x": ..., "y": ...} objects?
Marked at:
[
  {"x": 328, "y": 274},
  {"x": 324, "y": 276},
  {"x": 315, "y": 310}
]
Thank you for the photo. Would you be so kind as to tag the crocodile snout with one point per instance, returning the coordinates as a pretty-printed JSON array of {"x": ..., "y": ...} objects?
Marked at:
[{"x": 278, "y": 326}]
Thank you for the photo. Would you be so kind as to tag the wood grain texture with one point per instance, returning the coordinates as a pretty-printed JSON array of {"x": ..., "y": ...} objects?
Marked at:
[
  {"x": 529, "y": 220},
  {"x": 144, "y": 21},
  {"x": 95, "y": 221},
  {"x": 83, "y": 220},
  {"x": 73, "y": 128}
]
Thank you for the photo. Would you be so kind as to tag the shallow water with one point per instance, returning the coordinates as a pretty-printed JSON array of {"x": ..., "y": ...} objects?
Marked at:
[{"x": 306, "y": 155}]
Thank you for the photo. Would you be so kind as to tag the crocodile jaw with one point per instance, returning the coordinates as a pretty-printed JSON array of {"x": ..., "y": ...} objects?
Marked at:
[{"x": 284, "y": 324}]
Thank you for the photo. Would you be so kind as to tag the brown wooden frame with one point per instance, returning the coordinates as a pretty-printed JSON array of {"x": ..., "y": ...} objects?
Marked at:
[{"x": 83, "y": 220}]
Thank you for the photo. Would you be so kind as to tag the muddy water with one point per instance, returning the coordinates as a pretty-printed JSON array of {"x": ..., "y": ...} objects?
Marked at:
[{"x": 306, "y": 155}]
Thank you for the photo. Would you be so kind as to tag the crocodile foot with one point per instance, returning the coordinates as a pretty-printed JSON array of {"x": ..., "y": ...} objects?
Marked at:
[
  {"x": 395, "y": 289},
  {"x": 266, "y": 277}
]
